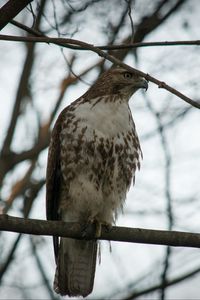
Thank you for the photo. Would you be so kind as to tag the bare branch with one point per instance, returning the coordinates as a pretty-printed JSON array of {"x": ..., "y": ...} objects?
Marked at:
[
  {"x": 10, "y": 10},
  {"x": 115, "y": 46},
  {"x": 71, "y": 43},
  {"x": 131, "y": 20},
  {"x": 121, "y": 234},
  {"x": 79, "y": 45},
  {"x": 26, "y": 28},
  {"x": 28, "y": 201},
  {"x": 5, "y": 265},
  {"x": 156, "y": 287},
  {"x": 19, "y": 187},
  {"x": 167, "y": 191},
  {"x": 23, "y": 89}
]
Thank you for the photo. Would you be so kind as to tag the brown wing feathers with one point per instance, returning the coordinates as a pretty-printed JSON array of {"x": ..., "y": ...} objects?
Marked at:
[{"x": 53, "y": 180}]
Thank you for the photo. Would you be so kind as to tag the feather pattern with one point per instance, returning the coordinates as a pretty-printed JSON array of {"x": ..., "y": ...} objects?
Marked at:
[
  {"x": 93, "y": 155},
  {"x": 76, "y": 267}
]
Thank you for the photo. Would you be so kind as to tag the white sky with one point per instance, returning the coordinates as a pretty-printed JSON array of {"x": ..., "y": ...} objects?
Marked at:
[{"x": 178, "y": 66}]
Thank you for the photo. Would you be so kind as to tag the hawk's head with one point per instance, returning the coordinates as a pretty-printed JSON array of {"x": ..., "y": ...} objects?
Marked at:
[{"x": 118, "y": 81}]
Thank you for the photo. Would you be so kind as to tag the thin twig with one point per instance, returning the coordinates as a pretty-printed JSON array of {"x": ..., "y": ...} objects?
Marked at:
[
  {"x": 9, "y": 258},
  {"x": 79, "y": 45},
  {"x": 33, "y": 191},
  {"x": 131, "y": 20},
  {"x": 153, "y": 288},
  {"x": 167, "y": 174}
]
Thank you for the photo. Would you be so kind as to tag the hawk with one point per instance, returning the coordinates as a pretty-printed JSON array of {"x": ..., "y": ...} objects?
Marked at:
[{"x": 93, "y": 155}]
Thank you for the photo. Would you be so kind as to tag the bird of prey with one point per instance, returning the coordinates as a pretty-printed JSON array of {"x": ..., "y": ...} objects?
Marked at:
[{"x": 93, "y": 155}]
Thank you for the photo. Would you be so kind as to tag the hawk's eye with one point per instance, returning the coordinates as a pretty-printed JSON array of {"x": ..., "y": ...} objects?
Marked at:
[{"x": 128, "y": 75}]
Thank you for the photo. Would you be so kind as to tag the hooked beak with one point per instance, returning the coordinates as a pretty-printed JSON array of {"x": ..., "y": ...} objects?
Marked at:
[{"x": 142, "y": 83}]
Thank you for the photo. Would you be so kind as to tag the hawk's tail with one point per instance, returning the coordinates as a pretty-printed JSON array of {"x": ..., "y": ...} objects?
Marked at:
[{"x": 75, "y": 267}]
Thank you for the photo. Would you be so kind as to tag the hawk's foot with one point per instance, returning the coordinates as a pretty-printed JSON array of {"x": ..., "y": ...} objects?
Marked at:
[{"x": 98, "y": 226}]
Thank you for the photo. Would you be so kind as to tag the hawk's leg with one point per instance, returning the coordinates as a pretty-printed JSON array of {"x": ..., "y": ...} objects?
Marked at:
[{"x": 98, "y": 227}]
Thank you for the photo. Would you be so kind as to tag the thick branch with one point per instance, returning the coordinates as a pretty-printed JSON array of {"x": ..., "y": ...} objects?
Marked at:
[
  {"x": 23, "y": 88},
  {"x": 10, "y": 10},
  {"x": 121, "y": 234}
]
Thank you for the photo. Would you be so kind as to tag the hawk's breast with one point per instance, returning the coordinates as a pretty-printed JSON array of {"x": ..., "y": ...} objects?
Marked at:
[
  {"x": 99, "y": 154},
  {"x": 108, "y": 118}
]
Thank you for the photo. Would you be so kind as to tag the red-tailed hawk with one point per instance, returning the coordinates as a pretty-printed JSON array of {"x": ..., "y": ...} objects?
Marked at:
[{"x": 93, "y": 155}]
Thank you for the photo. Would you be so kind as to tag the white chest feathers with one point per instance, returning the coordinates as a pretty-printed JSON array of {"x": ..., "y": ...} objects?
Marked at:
[{"x": 107, "y": 118}]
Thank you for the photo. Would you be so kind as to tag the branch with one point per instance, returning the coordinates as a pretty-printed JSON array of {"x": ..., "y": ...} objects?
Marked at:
[
  {"x": 79, "y": 45},
  {"x": 23, "y": 86},
  {"x": 71, "y": 43},
  {"x": 10, "y": 10},
  {"x": 19, "y": 187},
  {"x": 121, "y": 234},
  {"x": 115, "y": 46},
  {"x": 5, "y": 265},
  {"x": 167, "y": 190},
  {"x": 163, "y": 10},
  {"x": 28, "y": 200},
  {"x": 152, "y": 288}
]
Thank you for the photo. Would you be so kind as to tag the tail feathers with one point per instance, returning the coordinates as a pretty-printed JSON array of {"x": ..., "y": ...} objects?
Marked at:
[{"x": 75, "y": 267}]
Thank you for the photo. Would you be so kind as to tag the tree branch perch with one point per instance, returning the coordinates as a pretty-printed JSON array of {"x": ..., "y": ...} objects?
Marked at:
[{"x": 121, "y": 234}]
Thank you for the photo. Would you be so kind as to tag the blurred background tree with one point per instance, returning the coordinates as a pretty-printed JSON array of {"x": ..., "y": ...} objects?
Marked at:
[{"x": 38, "y": 80}]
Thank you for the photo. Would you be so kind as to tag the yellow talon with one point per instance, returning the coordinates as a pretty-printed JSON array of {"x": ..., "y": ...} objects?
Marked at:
[
  {"x": 98, "y": 229},
  {"x": 98, "y": 226}
]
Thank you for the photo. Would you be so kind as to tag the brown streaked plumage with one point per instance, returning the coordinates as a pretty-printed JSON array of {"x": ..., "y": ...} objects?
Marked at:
[{"x": 93, "y": 155}]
